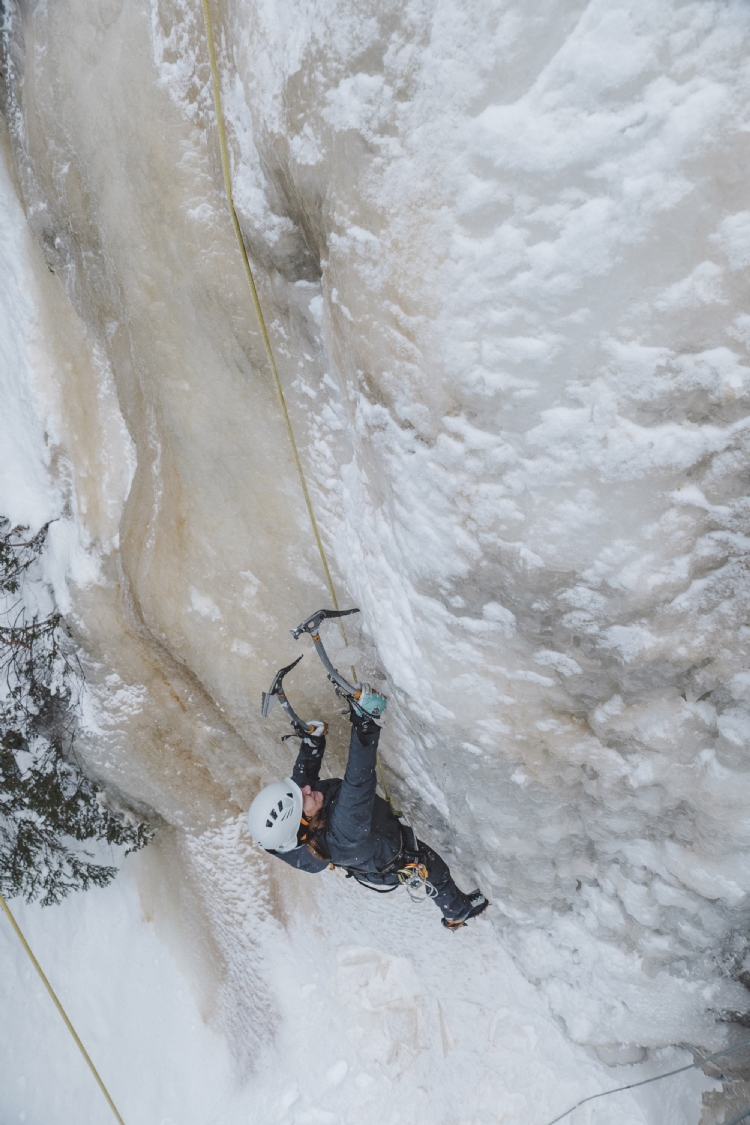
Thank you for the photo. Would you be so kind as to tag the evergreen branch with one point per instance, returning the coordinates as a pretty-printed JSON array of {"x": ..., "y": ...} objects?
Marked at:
[{"x": 49, "y": 807}]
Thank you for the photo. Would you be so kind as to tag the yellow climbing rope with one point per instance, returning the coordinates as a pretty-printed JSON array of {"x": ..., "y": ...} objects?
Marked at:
[
  {"x": 58, "y": 1005},
  {"x": 224, "y": 149}
]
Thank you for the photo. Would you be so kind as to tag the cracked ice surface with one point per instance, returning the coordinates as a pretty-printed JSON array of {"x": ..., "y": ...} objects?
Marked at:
[{"x": 503, "y": 253}]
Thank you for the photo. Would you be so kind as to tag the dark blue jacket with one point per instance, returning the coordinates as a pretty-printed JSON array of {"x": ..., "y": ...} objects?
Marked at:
[{"x": 361, "y": 832}]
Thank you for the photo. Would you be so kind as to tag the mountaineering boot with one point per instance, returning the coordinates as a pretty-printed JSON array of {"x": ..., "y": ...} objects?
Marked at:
[{"x": 477, "y": 905}]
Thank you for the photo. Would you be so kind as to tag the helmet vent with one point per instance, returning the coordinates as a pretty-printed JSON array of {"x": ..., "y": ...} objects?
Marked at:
[{"x": 273, "y": 815}]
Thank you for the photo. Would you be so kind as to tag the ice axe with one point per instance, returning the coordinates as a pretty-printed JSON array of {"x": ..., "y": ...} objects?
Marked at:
[
  {"x": 311, "y": 625},
  {"x": 343, "y": 688},
  {"x": 276, "y": 691}
]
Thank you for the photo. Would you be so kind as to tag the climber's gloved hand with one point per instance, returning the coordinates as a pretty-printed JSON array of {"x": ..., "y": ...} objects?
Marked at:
[
  {"x": 367, "y": 708},
  {"x": 314, "y": 737}
]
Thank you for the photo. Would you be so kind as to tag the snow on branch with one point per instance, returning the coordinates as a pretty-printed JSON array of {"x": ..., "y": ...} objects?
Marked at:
[{"x": 49, "y": 807}]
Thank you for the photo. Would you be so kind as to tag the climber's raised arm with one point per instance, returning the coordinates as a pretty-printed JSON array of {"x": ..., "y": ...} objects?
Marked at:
[
  {"x": 307, "y": 767},
  {"x": 351, "y": 818}
]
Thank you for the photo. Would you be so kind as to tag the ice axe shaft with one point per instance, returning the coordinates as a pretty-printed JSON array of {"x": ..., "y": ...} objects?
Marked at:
[
  {"x": 311, "y": 625},
  {"x": 276, "y": 691}
]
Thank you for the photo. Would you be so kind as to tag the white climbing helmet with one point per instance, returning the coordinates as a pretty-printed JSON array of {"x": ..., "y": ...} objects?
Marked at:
[{"x": 274, "y": 816}]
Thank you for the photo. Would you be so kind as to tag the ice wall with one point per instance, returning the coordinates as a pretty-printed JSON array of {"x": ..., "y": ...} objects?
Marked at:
[{"x": 503, "y": 249}]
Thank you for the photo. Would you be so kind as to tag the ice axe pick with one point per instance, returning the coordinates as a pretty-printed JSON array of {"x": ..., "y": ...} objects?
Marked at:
[{"x": 276, "y": 691}]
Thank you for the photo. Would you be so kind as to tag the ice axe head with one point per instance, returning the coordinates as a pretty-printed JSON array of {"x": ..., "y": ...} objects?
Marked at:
[
  {"x": 311, "y": 623},
  {"x": 276, "y": 689}
]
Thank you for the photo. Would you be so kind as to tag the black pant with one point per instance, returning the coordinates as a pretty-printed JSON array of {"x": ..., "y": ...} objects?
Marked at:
[{"x": 451, "y": 901}]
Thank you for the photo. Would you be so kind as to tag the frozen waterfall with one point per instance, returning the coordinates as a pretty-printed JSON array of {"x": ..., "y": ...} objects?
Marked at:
[{"x": 503, "y": 251}]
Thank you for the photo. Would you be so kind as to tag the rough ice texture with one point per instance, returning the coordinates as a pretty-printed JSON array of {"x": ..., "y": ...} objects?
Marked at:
[
  {"x": 503, "y": 253},
  {"x": 309, "y": 1007}
]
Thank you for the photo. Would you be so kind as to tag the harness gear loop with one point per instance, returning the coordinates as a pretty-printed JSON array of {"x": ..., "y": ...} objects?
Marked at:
[
  {"x": 58, "y": 1005},
  {"x": 351, "y": 873},
  {"x": 407, "y": 866},
  {"x": 415, "y": 877}
]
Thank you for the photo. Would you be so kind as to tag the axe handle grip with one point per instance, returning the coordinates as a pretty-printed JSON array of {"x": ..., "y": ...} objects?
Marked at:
[{"x": 293, "y": 717}]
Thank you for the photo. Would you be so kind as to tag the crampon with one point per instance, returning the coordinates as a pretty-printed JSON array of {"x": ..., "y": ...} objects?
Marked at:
[{"x": 477, "y": 905}]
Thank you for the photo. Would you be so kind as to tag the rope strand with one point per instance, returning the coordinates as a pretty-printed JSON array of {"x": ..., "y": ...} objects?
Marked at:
[
  {"x": 224, "y": 149},
  {"x": 657, "y": 1078},
  {"x": 58, "y": 1005}
]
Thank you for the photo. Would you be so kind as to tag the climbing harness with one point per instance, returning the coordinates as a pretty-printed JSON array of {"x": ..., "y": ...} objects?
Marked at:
[
  {"x": 58, "y": 1005},
  {"x": 408, "y": 868},
  {"x": 413, "y": 873},
  {"x": 353, "y": 873},
  {"x": 415, "y": 877},
  {"x": 657, "y": 1078},
  {"x": 406, "y": 853}
]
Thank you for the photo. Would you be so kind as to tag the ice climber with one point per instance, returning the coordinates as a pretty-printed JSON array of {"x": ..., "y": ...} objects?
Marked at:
[{"x": 310, "y": 823}]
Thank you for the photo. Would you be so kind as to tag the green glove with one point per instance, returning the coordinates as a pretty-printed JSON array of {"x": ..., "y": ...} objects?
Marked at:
[{"x": 370, "y": 703}]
